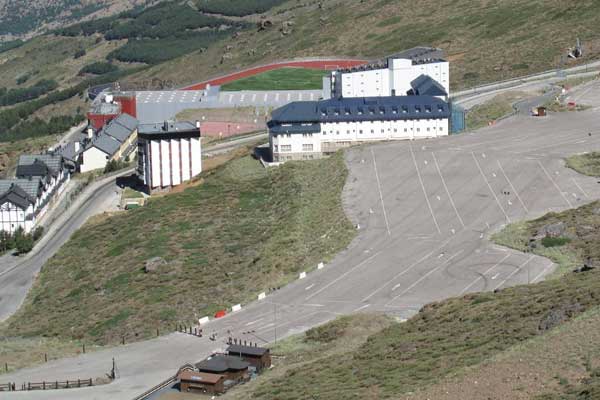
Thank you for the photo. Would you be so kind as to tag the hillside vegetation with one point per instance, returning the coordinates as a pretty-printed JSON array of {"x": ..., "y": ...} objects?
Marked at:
[
  {"x": 484, "y": 41},
  {"x": 243, "y": 230}
]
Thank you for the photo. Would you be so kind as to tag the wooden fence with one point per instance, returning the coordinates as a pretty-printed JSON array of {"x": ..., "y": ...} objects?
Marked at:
[{"x": 76, "y": 383}]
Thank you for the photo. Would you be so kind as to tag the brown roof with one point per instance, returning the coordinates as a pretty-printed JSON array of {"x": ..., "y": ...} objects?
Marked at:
[{"x": 200, "y": 377}]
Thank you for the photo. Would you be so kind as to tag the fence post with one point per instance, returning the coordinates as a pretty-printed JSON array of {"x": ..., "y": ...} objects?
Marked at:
[
  {"x": 45, "y": 357},
  {"x": 6, "y": 367},
  {"x": 91, "y": 382},
  {"x": 157, "y": 333},
  {"x": 56, "y": 385},
  {"x": 123, "y": 340},
  {"x": 44, "y": 385},
  {"x": 84, "y": 348},
  {"x": 67, "y": 383},
  {"x": 78, "y": 383}
]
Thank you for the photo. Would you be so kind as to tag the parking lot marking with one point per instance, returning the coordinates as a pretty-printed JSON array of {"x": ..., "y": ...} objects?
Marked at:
[
  {"x": 484, "y": 274},
  {"x": 421, "y": 279},
  {"x": 412, "y": 153},
  {"x": 361, "y": 308},
  {"x": 543, "y": 272},
  {"x": 512, "y": 187},
  {"x": 490, "y": 187},
  {"x": 437, "y": 165},
  {"x": 410, "y": 267},
  {"x": 514, "y": 272},
  {"x": 387, "y": 225},
  {"x": 580, "y": 188},
  {"x": 555, "y": 185}
]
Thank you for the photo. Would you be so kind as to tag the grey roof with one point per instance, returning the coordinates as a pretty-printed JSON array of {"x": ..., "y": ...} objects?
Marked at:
[
  {"x": 126, "y": 121},
  {"x": 31, "y": 187},
  {"x": 420, "y": 55},
  {"x": 15, "y": 194},
  {"x": 221, "y": 363},
  {"x": 52, "y": 160},
  {"x": 38, "y": 168},
  {"x": 120, "y": 128},
  {"x": 425, "y": 85},
  {"x": 361, "y": 109},
  {"x": 105, "y": 143},
  {"x": 102, "y": 108},
  {"x": 166, "y": 127},
  {"x": 236, "y": 349},
  {"x": 68, "y": 152}
]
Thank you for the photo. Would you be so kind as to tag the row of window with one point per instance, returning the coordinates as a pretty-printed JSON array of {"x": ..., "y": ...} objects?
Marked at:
[
  {"x": 381, "y": 110},
  {"x": 360, "y": 131},
  {"x": 286, "y": 148}
]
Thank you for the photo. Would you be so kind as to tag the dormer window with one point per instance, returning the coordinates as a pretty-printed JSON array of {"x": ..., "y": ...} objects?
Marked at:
[
  {"x": 417, "y": 109},
  {"x": 404, "y": 109},
  {"x": 427, "y": 109}
]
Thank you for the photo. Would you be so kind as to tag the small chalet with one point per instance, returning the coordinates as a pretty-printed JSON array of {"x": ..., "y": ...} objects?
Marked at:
[
  {"x": 258, "y": 357},
  {"x": 201, "y": 382},
  {"x": 233, "y": 368}
]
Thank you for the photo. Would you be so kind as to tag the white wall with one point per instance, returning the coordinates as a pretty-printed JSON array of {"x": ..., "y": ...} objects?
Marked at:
[
  {"x": 179, "y": 164},
  {"x": 12, "y": 217},
  {"x": 398, "y": 76},
  {"x": 93, "y": 158},
  {"x": 362, "y": 131}
]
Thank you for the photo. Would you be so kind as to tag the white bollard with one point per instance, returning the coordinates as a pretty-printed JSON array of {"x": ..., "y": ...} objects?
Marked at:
[
  {"x": 237, "y": 307},
  {"x": 203, "y": 320},
  {"x": 262, "y": 295},
  {"x": 302, "y": 275},
  {"x": 320, "y": 265}
]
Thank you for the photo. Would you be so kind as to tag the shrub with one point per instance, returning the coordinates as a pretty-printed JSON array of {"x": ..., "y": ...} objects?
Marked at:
[
  {"x": 79, "y": 53},
  {"x": 98, "y": 68},
  {"x": 551, "y": 241}
]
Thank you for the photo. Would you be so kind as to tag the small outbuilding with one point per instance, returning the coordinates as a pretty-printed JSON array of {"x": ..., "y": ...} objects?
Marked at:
[
  {"x": 191, "y": 381},
  {"x": 233, "y": 368},
  {"x": 258, "y": 357}
]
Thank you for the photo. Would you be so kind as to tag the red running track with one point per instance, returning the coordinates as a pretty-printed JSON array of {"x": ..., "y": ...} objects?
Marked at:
[{"x": 316, "y": 64}]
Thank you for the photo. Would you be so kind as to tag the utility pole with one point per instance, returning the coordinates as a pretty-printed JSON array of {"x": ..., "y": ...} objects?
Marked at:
[{"x": 275, "y": 320}]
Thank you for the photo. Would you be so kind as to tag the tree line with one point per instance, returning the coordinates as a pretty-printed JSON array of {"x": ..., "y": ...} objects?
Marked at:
[
  {"x": 237, "y": 8},
  {"x": 19, "y": 240},
  {"x": 19, "y": 95}
]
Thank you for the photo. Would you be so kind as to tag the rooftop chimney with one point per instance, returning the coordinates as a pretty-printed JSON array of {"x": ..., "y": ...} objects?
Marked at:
[
  {"x": 90, "y": 132},
  {"x": 76, "y": 147},
  {"x": 197, "y": 124}
]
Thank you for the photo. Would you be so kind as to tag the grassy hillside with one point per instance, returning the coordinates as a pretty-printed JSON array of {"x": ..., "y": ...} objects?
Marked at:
[
  {"x": 587, "y": 164},
  {"x": 460, "y": 336},
  {"x": 485, "y": 41},
  {"x": 243, "y": 230}
]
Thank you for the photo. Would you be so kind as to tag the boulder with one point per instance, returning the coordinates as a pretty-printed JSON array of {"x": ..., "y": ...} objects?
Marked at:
[
  {"x": 153, "y": 264},
  {"x": 552, "y": 230},
  {"x": 559, "y": 315}
]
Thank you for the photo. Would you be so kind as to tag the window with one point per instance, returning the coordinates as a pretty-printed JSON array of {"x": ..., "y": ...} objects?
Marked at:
[
  {"x": 441, "y": 129},
  {"x": 405, "y": 130},
  {"x": 428, "y": 129},
  {"x": 360, "y": 131},
  {"x": 418, "y": 130},
  {"x": 395, "y": 130},
  {"x": 338, "y": 132},
  {"x": 307, "y": 147},
  {"x": 383, "y": 131},
  {"x": 276, "y": 148},
  {"x": 286, "y": 147},
  {"x": 372, "y": 131}
]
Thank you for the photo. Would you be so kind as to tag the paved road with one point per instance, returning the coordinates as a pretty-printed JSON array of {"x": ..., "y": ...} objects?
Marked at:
[
  {"x": 425, "y": 211},
  {"x": 16, "y": 281}
]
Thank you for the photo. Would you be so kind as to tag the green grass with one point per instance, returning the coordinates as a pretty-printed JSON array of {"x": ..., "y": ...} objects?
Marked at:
[
  {"x": 243, "y": 230},
  {"x": 499, "y": 106},
  {"x": 280, "y": 79},
  {"x": 129, "y": 193},
  {"x": 587, "y": 164}
]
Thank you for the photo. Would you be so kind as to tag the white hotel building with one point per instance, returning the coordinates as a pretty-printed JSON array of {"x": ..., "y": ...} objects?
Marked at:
[
  {"x": 392, "y": 76},
  {"x": 401, "y": 98},
  {"x": 168, "y": 154},
  {"x": 307, "y": 129}
]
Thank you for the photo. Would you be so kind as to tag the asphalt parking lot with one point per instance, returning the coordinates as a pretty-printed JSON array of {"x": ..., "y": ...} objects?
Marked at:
[{"x": 425, "y": 210}]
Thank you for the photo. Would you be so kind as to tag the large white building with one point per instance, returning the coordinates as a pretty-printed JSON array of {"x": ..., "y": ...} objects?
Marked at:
[
  {"x": 307, "y": 129},
  {"x": 40, "y": 179},
  {"x": 168, "y": 154},
  {"x": 392, "y": 76}
]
